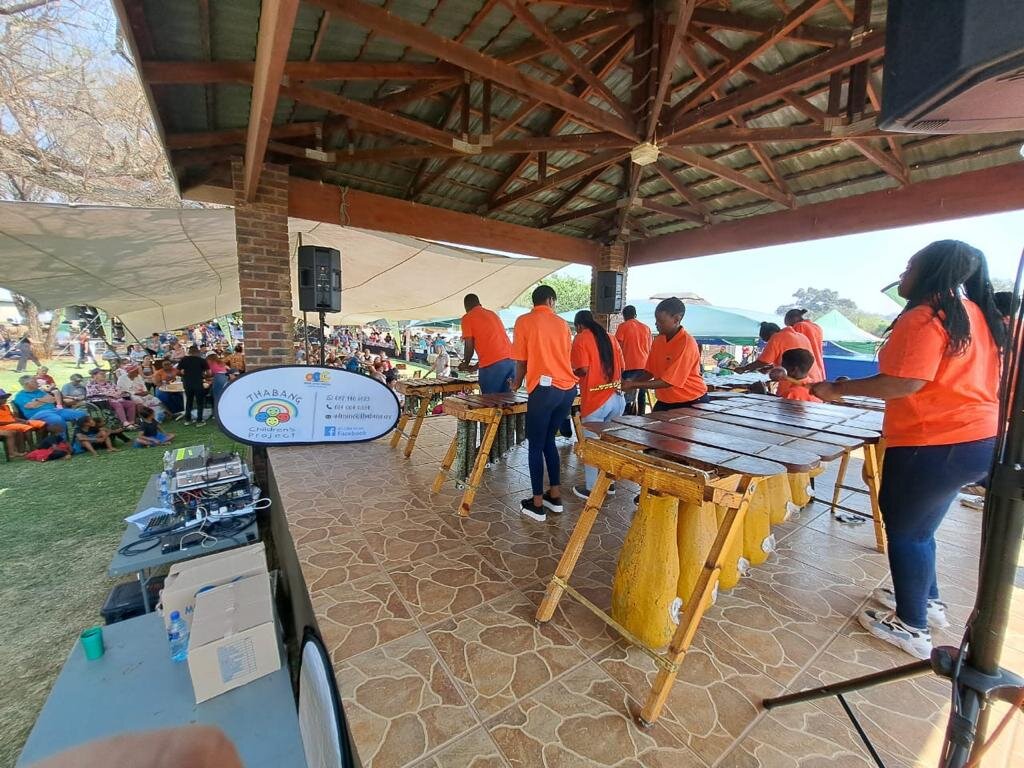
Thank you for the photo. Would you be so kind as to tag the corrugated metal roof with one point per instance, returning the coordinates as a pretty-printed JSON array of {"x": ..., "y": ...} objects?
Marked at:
[{"x": 811, "y": 171}]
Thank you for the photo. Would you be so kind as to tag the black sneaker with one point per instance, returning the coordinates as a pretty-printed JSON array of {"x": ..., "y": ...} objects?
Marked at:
[
  {"x": 581, "y": 492},
  {"x": 555, "y": 505},
  {"x": 534, "y": 513},
  {"x": 611, "y": 489}
]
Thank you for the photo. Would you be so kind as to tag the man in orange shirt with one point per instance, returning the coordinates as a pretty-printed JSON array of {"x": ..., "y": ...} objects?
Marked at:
[
  {"x": 795, "y": 319},
  {"x": 541, "y": 347},
  {"x": 776, "y": 342},
  {"x": 484, "y": 333},
  {"x": 673, "y": 365},
  {"x": 635, "y": 339}
]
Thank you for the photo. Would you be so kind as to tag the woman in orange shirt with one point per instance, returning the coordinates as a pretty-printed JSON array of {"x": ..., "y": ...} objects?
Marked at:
[
  {"x": 776, "y": 342},
  {"x": 597, "y": 359},
  {"x": 795, "y": 319},
  {"x": 939, "y": 376}
]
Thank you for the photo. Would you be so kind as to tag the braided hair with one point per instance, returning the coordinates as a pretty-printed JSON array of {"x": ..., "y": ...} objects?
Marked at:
[
  {"x": 942, "y": 268},
  {"x": 585, "y": 319}
]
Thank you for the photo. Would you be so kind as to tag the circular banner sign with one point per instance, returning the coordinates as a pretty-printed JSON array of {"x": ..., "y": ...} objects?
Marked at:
[{"x": 302, "y": 405}]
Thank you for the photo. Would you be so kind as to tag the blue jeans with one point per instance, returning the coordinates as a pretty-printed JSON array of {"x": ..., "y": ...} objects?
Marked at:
[
  {"x": 546, "y": 409},
  {"x": 918, "y": 485},
  {"x": 59, "y": 415},
  {"x": 494, "y": 378},
  {"x": 220, "y": 381},
  {"x": 637, "y": 397},
  {"x": 612, "y": 407}
]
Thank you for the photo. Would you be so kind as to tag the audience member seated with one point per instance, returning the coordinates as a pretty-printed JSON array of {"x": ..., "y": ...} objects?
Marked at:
[
  {"x": 15, "y": 430},
  {"x": 46, "y": 382},
  {"x": 235, "y": 361},
  {"x": 146, "y": 369},
  {"x": 88, "y": 434},
  {"x": 150, "y": 433},
  {"x": 101, "y": 390},
  {"x": 53, "y": 446},
  {"x": 130, "y": 382},
  {"x": 74, "y": 393},
  {"x": 36, "y": 404}
]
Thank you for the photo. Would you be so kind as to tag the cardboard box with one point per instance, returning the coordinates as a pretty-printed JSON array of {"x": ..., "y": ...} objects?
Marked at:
[
  {"x": 185, "y": 580},
  {"x": 233, "y": 639}
]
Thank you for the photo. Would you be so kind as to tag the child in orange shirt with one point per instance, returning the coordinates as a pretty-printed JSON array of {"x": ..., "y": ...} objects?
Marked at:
[
  {"x": 13, "y": 429},
  {"x": 792, "y": 378}
]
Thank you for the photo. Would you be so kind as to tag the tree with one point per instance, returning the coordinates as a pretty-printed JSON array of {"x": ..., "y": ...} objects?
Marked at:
[
  {"x": 819, "y": 301},
  {"x": 572, "y": 292}
]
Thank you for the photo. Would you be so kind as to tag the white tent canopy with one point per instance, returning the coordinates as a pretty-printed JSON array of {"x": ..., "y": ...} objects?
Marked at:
[{"x": 167, "y": 268}]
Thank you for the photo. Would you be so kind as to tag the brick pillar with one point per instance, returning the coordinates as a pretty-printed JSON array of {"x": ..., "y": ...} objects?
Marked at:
[
  {"x": 264, "y": 270},
  {"x": 612, "y": 258}
]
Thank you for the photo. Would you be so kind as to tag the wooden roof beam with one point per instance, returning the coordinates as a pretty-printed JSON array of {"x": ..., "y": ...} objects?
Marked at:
[
  {"x": 864, "y": 129},
  {"x": 723, "y": 171},
  {"x": 682, "y": 190},
  {"x": 594, "y": 5},
  {"x": 201, "y": 72},
  {"x": 741, "y": 22},
  {"x": 600, "y": 160},
  {"x": 277, "y": 19},
  {"x": 564, "y": 52},
  {"x": 780, "y": 83},
  {"x": 748, "y": 53},
  {"x": 202, "y": 139},
  {"x": 974, "y": 193},
  {"x": 678, "y": 24},
  {"x": 570, "y": 194},
  {"x": 599, "y": 209},
  {"x": 422, "y": 39},
  {"x": 676, "y": 213}
]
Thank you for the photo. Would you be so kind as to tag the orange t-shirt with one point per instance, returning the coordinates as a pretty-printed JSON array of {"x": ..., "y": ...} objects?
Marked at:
[
  {"x": 635, "y": 340},
  {"x": 816, "y": 336},
  {"x": 541, "y": 339},
  {"x": 789, "y": 389},
  {"x": 487, "y": 331},
  {"x": 585, "y": 355},
  {"x": 676, "y": 361},
  {"x": 783, "y": 341},
  {"x": 960, "y": 402}
]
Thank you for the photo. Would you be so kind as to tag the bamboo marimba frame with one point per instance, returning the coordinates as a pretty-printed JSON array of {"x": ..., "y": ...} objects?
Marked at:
[
  {"x": 424, "y": 390},
  {"x": 654, "y": 475},
  {"x": 489, "y": 411}
]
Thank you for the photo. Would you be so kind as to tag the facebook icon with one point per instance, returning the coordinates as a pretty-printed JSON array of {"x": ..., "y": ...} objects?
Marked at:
[{"x": 329, "y": 431}]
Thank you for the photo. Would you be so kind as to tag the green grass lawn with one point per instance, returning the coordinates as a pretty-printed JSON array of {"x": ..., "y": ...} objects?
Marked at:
[{"x": 60, "y": 523}]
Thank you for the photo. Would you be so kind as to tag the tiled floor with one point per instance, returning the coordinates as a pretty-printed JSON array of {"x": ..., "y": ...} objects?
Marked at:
[{"x": 429, "y": 621}]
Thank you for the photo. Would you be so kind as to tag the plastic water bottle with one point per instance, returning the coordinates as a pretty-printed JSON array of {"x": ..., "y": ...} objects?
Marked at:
[
  {"x": 168, "y": 461},
  {"x": 177, "y": 636},
  {"x": 165, "y": 491}
]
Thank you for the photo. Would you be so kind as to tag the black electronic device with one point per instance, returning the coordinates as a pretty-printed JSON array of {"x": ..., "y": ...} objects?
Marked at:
[
  {"x": 319, "y": 279},
  {"x": 608, "y": 297},
  {"x": 954, "y": 66},
  {"x": 159, "y": 524}
]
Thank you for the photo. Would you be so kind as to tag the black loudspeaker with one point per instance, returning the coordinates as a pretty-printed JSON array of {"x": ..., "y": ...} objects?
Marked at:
[
  {"x": 608, "y": 293},
  {"x": 319, "y": 279},
  {"x": 954, "y": 66}
]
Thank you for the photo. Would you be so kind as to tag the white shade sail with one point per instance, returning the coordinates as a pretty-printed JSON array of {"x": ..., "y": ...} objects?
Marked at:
[{"x": 166, "y": 268}]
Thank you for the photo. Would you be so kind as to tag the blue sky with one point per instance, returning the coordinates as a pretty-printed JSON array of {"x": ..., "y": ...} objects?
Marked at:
[{"x": 857, "y": 266}]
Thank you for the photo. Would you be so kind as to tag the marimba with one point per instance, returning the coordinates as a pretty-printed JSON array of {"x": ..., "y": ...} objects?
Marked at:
[
  {"x": 718, "y": 466},
  {"x": 418, "y": 395},
  {"x": 735, "y": 381},
  {"x": 488, "y": 427}
]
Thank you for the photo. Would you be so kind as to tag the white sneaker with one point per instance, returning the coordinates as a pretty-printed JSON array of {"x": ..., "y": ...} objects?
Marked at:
[
  {"x": 936, "y": 608},
  {"x": 887, "y": 626}
]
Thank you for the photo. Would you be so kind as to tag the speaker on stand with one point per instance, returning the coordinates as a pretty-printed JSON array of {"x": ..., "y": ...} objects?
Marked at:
[{"x": 319, "y": 288}]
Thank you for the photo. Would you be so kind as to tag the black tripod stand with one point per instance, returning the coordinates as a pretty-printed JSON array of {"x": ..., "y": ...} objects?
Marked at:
[{"x": 973, "y": 668}]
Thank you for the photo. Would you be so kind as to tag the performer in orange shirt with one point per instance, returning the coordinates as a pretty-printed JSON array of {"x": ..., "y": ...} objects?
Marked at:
[
  {"x": 484, "y": 334},
  {"x": 792, "y": 378},
  {"x": 939, "y": 376},
  {"x": 635, "y": 339},
  {"x": 673, "y": 365},
  {"x": 778, "y": 340},
  {"x": 541, "y": 347},
  {"x": 795, "y": 319}
]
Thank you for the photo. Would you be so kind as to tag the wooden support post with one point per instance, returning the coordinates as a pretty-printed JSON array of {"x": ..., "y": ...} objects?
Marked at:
[
  {"x": 486, "y": 109},
  {"x": 857, "y": 91},
  {"x": 872, "y": 470},
  {"x": 542, "y": 166},
  {"x": 420, "y": 416},
  {"x": 396, "y": 438},
  {"x": 446, "y": 464},
  {"x": 732, "y": 525},
  {"x": 465, "y": 108},
  {"x": 482, "y": 457},
  {"x": 844, "y": 464},
  {"x": 574, "y": 547}
]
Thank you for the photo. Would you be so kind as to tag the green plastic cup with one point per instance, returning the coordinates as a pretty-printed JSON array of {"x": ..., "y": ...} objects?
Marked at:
[{"x": 92, "y": 642}]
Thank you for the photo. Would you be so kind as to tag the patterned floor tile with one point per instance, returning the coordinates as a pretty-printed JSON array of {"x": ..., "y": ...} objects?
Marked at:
[
  {"x": 359, "y": 615},
  {"x": 716, "y": 696},
  {"x": 474, "y": 750},
  {"x": 448, "y": 583},
  {"x": 584, "y": 720},
  {"x": 339, "y": 557},
  {"x": 400, "y": 703},
  {"x": 497, "y": 654},
  {"x": 575, "y": 620},
  {"x": 862, "y": 565},
  {"x": 396, "y": 541}
]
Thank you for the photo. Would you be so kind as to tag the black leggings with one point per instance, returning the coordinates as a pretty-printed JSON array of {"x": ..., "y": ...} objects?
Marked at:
[
  {"x": 546, "y": 409},
  {"x": 195, "y": 396},
  {"x": 663, "y": 406}
]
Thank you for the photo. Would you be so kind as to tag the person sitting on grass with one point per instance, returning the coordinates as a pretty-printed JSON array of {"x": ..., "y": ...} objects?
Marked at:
[
  {"x": 116, "y": 431},
  {"x": 88, "y": 434},
  {"x": 793, "y": 377},
  {"x": 150, "y": 433},
  {"x": 53, "y": 446},
  {"x": 14, "y": 430}
]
